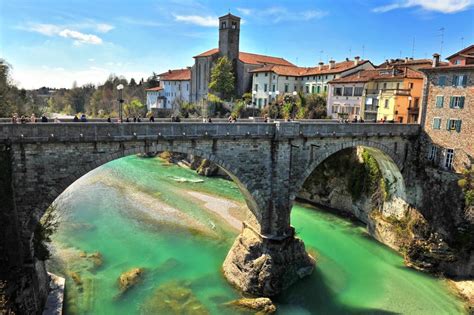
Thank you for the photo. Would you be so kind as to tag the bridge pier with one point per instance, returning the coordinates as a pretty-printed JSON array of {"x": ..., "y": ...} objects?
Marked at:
[{"x": 263, "y": 266}]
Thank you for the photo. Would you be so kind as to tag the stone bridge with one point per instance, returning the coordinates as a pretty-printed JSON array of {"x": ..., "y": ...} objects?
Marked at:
[{"x": 269, "y": 162}]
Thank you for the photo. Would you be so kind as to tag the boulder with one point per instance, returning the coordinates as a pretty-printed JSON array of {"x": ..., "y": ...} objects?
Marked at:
[
  {"x": 261, "y": 305},
  {"x": 129, "y": 278}
]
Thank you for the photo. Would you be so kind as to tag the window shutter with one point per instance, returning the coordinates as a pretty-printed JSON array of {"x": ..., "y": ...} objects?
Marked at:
[
  {"x": 455, "y": 80},
  {"x": 464, "y": 80},
  {"x": 461, "y": 102},
  {"x": 458, "y": 125},
  {"x": 448, "y": 123},
  {"x": 451, "y": 102}
]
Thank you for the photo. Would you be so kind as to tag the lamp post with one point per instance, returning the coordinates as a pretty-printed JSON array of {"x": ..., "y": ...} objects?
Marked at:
[
  {"x": 120, "y": 91},
  {"x": 294, "y": 105},
  {"x": 254, "y": 103}
]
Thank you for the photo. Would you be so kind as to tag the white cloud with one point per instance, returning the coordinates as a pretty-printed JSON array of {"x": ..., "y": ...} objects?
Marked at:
[
  {"x": 280, "y": 14},
  {"x": 81, "y": 38},
  {"x": 140, "y": 22},
  {"x": 207, "y": 21},
  {"x": 443, "y": 6},
  {"x": 104, "y": 28},
  {"x": 63, "y": 31}
]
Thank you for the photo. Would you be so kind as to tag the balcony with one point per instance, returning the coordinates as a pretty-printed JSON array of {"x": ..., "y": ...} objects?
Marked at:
[
  {"x": 401, "y": 92},
  {"x": 413, "y": 110}
]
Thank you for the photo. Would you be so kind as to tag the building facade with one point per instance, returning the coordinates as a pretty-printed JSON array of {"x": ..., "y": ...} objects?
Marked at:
[
  {"x": 448, "y": 111},
  {"x": 154, "y": 98},
  {"x": 176, "y": 86}
]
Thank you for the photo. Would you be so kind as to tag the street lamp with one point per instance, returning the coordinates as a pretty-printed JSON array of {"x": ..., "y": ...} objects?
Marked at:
[
  {"x": 254, "y": 103},
  {"x": 120, "y": 90}
]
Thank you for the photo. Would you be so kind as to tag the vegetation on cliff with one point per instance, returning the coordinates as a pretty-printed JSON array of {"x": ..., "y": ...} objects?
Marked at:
[{"x": 45, "y": 228}]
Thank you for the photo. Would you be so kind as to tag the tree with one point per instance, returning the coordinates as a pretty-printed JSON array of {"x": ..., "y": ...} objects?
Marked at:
[
  {"x": 222, "y": 79},
  {"x": 134, "y": 108}
]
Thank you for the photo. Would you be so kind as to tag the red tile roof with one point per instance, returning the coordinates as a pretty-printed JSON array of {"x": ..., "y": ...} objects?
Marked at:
[
  {"x": 176, "y": 75},
  {"x": 311, "y": 71},
  {"x": 158, "y": 88},
  {"x": 467, "y": 49},
  {"x": 447, "y": 67},
  {"x": 251, "y": 58},
  {"x": 379, "y": 74},
  {"x": 403, "y": 62}
]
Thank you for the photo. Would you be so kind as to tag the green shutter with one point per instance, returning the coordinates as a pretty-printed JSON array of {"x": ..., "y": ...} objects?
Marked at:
[
  {"x": 451, "y": 102},
  {"x": 464, "y": 80},
  {"x": 455, "y": 80},
  {"x": 458, "y": 125},
  {"x": 447, "y": 124},
  {"x": 461, "y": 102}
]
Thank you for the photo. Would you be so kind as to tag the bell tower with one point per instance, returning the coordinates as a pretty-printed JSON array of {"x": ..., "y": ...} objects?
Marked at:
[{"x": 229, "y": 33}]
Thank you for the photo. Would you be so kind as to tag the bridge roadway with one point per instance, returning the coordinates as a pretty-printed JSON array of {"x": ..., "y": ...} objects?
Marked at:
[{"x": 268, "y": 161}]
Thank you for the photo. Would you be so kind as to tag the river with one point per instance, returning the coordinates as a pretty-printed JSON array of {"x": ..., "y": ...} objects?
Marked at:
[{"x": 178, "y": 227}]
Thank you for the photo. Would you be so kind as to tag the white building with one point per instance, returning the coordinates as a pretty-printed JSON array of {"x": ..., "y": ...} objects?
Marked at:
[
  {"x": 154, "y": 98},
  {"x": 345, "y": 96},
  {"x": 270, "y": 81},
  {"x": 176, "y": 87}
]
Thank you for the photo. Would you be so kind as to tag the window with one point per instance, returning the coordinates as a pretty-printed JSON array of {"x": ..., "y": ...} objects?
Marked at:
[
  {"x": 318, "y": 89},
  {"x": 335, "y": 108},
  {"x": 256, "y": 75},
  {"x": 439, "y": 101},
  {"x": 312, "y": 89},
  {"x": 385, "y": 86},
  {"x": 417, "y": 101},
  {"x": 442, "y": 80},
  {"x": 347, "y": 91},
  {"x": 436, "y": 123},
  {"x": 457, "y": 62},
  {"x": 265, "y": 87},
  {"x": 460, "y": 80},
  {"x": 454, "y": 124},
  {"x": 265, "y": 102},
  {"x": 338, "y": 91},
  {"x": 325, "y": 88},
  {"x": 259, "y": 102},
  {"x": 449, "y": 159},
  {"x": 386, "y": 104},
  {"x": 224, "y": 25},
  {"x": 234, "y": 25},
  {"x": 307, "y": 89},
  {"x": 286, "y": 78},
  {"x": 294, "y": 88},
  {"x": 273, "y": 88},
  {"x": 410, "y": 85},
  {"x": 358, "y": 91},
  {"x": 286, "y": 88},
  {"x": 266, "y": 74},
  {"x": 456, "y": 102},
  {"x": 432, "y": 153}
]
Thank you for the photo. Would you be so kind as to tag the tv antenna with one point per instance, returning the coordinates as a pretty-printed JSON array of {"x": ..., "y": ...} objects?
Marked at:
[
  {"x": 462, "y": 42},
  {"x": 413, "y": 48},
  {"x": 321, "y": 55},
  {"x": 363, "y": 51}
]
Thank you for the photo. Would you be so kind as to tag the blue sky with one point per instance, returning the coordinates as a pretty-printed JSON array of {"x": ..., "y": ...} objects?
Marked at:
[{"x": 55, "y": 42}]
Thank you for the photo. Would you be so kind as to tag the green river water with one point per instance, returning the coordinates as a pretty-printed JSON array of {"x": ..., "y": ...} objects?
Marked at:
[{"x": 139, "y": 212}]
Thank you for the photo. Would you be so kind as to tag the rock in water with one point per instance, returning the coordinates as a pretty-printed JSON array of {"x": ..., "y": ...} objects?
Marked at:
[
  {"x": 129, "y": 278},
  {"x": 261, "y": 305},
  {"x": 97, "y": 259},
  {"x": 173, "y": 298}
]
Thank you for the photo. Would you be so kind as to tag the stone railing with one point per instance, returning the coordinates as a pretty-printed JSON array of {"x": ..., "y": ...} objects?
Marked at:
[{"x": 68, "y": 132}]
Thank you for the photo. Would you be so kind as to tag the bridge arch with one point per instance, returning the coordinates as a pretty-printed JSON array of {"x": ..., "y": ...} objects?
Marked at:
[
  {"x": 390, "y": 165},
  {"x": 233, "y": 173}
]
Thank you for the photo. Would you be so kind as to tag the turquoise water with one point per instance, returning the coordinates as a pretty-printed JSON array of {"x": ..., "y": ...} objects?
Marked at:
[{"x": 141, "y": 213}]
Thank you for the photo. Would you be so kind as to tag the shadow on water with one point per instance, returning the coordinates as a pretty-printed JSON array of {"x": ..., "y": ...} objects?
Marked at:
[{"x": 312, "y": 295}]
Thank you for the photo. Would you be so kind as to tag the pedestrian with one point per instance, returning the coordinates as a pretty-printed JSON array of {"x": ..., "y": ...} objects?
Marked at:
[
  {"x": 134, "y": 118},
  {"x": 152, "y": 118},
  {"x": 33, "y": 118},
  {"x": 128, "y": 119},
  {"x": 209, "y": 120},
  {"x": 177, "y": 119},
  {"x": 139, "y": 119},
  {"x": 75, "y": 119},
  {"x": 14, "y": 118},
  {"x": 108, "y": 119},
  {"x": 265, "y": 118},
  {"x": 230, "y": 119},
  {"x": 44, "y": 118},
  {"x": 83, "y": 118},
  {"x": 23, "y": 119}
]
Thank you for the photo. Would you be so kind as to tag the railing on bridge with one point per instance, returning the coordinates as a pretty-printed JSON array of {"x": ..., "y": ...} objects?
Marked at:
[{"x": 68, "y": 132}]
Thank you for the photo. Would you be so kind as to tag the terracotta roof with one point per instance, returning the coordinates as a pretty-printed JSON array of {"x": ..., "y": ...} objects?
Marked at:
[
  {"x": 447, "y": 67},
  {"x": 251, "y": 58},
  {"x": 158, "y": 88},
  {"x": 176, "y": 75},
  {"x": 461, "y": 51},
  {"x": 401, "y": 62},
  {"x": 301, "y": 71},
  {"x": 262, "y": 59},
  {"x": 379, "y": 74}
]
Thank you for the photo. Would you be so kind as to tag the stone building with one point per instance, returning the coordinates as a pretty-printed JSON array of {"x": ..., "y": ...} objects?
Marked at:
[
  {"x": 243, "y": 63},
  {"x": 448, "y": 111}
]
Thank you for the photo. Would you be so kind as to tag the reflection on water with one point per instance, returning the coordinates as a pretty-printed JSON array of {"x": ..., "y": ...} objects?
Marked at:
[{"x": 132, "y": 213}]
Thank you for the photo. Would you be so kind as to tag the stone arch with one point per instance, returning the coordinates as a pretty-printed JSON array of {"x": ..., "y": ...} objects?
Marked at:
[
  {"x": 390, "y": 166},
  {"x": 232, "y": 171}
]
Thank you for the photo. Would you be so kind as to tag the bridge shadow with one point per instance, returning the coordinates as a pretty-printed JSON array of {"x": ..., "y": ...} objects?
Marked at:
[{"x": 312, "y": 295}]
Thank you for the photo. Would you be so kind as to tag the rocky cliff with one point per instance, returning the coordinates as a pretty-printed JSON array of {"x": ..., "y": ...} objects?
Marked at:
[{"x": 434, "y": 234}]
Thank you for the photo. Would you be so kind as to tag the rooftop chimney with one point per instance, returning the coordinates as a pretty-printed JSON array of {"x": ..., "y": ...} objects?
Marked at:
[
  {"x": 169, "y": 71},
  {"x": 435, "y": 60},
  {"x": 331, "y": 64},
  {"x": 356, "y": 60},
  {"x": 347, "y": 59},
  {"x": 321, "y": 65}
]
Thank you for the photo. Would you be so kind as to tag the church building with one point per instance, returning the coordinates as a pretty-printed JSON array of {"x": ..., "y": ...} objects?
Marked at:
[{"x": 244, "y": 63}]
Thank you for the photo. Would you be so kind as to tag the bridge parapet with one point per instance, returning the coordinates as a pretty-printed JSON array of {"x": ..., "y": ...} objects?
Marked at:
[{"x": 51, "y": 132}]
